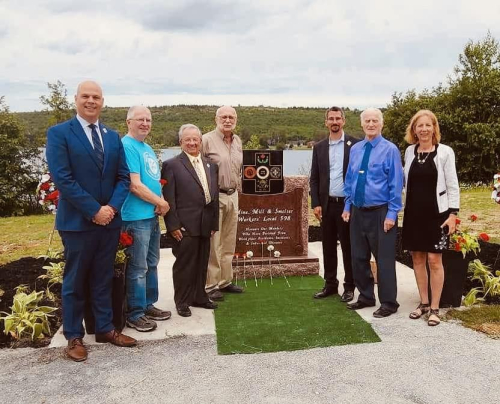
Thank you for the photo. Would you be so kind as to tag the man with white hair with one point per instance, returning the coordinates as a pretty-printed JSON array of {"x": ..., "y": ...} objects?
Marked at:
[
  {"x": 373, "y": 186},
  {"x": 193, "y": 194},
  {"x": 140, "y": 219},
  {"x": 223, "y": 147}
]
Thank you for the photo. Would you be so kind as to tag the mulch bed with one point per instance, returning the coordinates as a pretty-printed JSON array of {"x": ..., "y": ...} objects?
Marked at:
[{"x": 25, "y": 272}]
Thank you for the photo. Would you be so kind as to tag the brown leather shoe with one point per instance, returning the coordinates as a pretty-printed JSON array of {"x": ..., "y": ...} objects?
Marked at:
[
  {"x": 75, "y": 350},
  {"x": 116, "y": 338}
]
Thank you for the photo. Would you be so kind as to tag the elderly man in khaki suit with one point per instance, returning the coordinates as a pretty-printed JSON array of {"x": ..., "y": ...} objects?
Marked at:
[{"x": 224, "y": 148}]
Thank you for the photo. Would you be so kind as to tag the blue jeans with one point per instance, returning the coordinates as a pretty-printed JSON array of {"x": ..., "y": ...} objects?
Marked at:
[{"x": 142, "y": 272}]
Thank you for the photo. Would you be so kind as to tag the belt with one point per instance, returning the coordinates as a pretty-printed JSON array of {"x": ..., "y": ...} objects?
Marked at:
[
  {"x": 336, "y": 199},
  {"x": 229, "y": 191},
  {"x": 369, "y": 208}
]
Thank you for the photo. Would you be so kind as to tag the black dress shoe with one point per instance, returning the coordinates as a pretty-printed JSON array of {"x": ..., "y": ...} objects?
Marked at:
[
  {"x": 325, "y": 293},
  {"x": 359, "y": 305},
  {"x": 347, "y": 296},
  {"x": 383, "y": 312},
  {"x": 207, "y": 305},
  {"x": 184, "y": 311},
  {"x": 216, "y": 295},
  {"x": 231, "y": 288}
]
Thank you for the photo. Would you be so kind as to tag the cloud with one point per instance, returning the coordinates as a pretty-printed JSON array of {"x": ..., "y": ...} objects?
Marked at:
[{"x": 283, "y": 52}]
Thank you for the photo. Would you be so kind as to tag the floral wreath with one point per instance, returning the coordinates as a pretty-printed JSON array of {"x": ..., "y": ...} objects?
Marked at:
[{"x": 47, "y": 193}]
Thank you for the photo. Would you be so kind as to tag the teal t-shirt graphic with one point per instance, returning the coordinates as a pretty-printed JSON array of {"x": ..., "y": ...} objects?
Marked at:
[{"x": 142, "y": 160}]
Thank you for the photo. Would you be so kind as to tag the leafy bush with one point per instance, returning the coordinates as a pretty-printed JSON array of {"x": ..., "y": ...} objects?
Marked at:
[
  {"x": 490, "y": 284},
  {"x": 18, "y": 169},
  {"x": 28, "y": 319}
]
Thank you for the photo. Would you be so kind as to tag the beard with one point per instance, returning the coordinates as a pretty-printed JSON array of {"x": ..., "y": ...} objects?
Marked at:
[{"x": 335, "y": 128}]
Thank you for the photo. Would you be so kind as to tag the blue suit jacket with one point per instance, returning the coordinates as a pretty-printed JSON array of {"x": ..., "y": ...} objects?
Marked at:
[{"x": 83, "y": 188}]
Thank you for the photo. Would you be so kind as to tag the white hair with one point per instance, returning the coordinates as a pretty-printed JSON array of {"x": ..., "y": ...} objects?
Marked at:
[
  {"x": 225, "y": 106},
  {"x": 375, "y": 110},
  {"x": 188, "y": 126},
  {"x": 133, "y": 109}
]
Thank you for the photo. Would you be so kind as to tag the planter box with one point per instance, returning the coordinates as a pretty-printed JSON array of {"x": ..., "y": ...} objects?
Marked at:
[
  {"x": 455, "y": 275},
  {"x": 119, "y": 302}
]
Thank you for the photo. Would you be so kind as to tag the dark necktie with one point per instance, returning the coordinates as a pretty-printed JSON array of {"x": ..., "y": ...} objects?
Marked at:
[
  {"x": 359, "y": 195},
  {"x": 99, "y": 152}
]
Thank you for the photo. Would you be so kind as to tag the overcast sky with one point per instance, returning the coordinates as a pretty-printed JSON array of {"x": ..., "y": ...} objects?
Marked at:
[{"x": 260, "y": 52}]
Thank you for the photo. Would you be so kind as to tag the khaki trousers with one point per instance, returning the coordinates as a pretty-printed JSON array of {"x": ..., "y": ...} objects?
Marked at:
[{"x": 223, "y": 244}]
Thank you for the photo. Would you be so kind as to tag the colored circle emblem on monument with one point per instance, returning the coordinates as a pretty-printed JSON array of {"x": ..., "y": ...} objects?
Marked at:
[{"x": 250, "y": 172}]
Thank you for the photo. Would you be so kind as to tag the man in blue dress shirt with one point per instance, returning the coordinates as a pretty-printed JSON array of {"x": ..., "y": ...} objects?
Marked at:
[{"x": 373, "y": 186}]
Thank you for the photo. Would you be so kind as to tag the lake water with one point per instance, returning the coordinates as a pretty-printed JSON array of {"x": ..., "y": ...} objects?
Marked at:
[{"x": 296, "y": 162}]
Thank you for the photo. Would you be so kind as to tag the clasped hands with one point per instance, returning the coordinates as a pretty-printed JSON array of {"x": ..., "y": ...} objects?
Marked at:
[{"x": 104, "y": 216}]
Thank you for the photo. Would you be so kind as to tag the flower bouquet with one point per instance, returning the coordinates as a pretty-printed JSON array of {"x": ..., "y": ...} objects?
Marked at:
[{"x": 47, "y": 193}]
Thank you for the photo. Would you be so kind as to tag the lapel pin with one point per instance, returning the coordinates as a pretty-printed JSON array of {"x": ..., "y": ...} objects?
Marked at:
[
  {"x": 348, "y": 143},
  {"x": 104, "y": 130},
  {"x": 208, "y": 165}
]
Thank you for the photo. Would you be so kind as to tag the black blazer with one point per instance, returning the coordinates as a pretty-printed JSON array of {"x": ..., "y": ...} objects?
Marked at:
[
  {"x": 184, "y": 193},
  {"x": 320, "y": 170}
]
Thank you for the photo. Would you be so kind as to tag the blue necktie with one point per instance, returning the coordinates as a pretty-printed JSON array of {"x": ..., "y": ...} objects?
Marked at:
[
  {"x": 99, "y": 152},
  {"x": 359, "y": 195}
]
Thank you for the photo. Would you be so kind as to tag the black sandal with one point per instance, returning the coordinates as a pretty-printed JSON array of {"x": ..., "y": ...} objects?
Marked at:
[
  {"x": 420, "y": 311},
  {"x": 432, "y": 322}
]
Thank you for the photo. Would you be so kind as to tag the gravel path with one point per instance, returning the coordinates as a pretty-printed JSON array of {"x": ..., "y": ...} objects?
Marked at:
[{"x": 448, "y": 364}]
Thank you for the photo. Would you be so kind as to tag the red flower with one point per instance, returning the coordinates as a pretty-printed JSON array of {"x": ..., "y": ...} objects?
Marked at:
[
  {"x": 473, "y": 218},
  {"x": 458, "y": 221},
  {"x": 163, "y": 182},
  {"x": 45, "y": 186},
  {"x": 456, "y": 247},
  {"x": 53, "y": 196},
  {"x": 126, "y": 239},
  {"x": 484, "y": 237}
]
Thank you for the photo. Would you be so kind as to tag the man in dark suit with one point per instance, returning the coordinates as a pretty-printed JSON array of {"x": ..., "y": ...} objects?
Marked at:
[
  {"x": 192, "y": 192},
  {"x": 87, "y": 162},
  {"x": 328, "y": 169}
]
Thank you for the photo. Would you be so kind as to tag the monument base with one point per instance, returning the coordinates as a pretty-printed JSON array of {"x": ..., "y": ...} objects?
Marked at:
[{"x": 264, "y": 267}]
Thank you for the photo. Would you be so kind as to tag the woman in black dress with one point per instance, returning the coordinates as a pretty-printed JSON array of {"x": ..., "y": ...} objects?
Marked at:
[{"x": 432, "y": 203}]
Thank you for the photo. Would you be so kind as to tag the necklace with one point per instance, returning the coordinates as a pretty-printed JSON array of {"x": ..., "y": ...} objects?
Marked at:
[{"x": 420, "y": 157}]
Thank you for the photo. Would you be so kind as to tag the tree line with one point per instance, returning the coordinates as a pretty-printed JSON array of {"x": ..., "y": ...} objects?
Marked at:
[{"x": 467, "y": 107}]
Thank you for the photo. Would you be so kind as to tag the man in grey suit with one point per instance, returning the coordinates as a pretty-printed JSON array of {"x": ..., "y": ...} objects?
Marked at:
[
  {"x": 192, "y": 192},
  {"x": 328, "y": 169}
]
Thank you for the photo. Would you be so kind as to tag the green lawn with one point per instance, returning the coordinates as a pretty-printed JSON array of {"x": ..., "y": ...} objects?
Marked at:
[
  {"x": 483, "y": 318},
  {"x": 26, "y": 236},
  {"x": 271, "y": 318}
]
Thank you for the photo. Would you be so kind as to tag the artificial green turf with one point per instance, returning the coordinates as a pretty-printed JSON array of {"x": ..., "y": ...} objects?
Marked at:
[{"x": 271, "y": 318}]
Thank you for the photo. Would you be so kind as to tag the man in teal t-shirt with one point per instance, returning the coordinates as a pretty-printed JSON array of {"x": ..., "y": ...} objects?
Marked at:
[{"x": 140, "y": 219}]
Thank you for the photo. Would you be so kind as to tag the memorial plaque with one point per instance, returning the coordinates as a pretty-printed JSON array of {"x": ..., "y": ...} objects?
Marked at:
[
  {"x": 280, "y": 220},
  {"x": 262, "y": 172},
  {"x": 271, "y": 219}
]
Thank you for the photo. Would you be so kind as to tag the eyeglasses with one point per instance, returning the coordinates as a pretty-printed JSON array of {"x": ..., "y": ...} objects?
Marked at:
[
  {"x": 145, "y": 120},
  {"x": 224, "y": 117}
]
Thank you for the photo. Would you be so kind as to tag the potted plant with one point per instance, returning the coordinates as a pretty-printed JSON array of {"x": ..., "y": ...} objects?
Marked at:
[{"x": 464, "y": 247}]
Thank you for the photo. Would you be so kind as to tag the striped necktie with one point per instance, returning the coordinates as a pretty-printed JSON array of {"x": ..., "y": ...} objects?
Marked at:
[{"x": 99, "y": 152}]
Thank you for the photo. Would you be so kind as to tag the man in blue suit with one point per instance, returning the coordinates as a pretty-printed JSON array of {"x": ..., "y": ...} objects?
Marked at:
[{"x": 87, "y": 162}]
